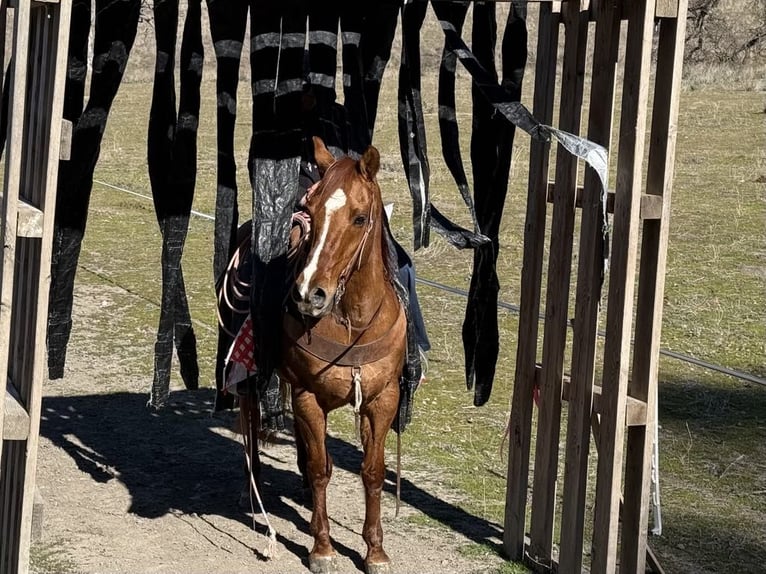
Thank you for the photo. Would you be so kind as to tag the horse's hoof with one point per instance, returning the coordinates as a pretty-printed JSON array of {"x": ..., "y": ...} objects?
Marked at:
[
  {"x": 323, "y": 564},
  {"x": 378, "y": 568}
]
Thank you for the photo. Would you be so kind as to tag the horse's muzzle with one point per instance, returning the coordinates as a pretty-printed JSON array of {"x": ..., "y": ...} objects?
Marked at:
[{"x": 316, "y": 304}]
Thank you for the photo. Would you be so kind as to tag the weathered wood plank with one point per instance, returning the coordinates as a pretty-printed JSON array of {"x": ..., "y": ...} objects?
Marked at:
[
  {"x": 580, "y": 392},
  {"x": 38, "y": 512},
  {"x": 621, "y": 284},
  {"x": 520, "y": 426},
  {"x": 651, "y": 206},
  {"x": 670, "y": 9},
  {"x": 651, "y": 289},
  {"x": 16, "y": 421},
  {"x": 575, "y": 18}
]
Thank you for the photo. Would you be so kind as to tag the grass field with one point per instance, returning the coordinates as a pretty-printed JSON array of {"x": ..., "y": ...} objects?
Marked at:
[{"x": 713, "y": 428}]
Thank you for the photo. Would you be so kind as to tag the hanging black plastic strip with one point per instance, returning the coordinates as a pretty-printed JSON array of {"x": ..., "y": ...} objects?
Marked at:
[
  {"x": 455, "y": 13},
  {"x": 359, "y": 133},
  {"x": 480, "y": 333},
  {"x": 66, "y": 247},
  {"x": 116, "y": 25},
  {"x": 228, "y": 19},
  {"x": 277, "y": 72},
  {"x": 378, "y": 33},
  {"x": 454, "y": 234},
  {"x": 324, "y": 19},
  {"x": 172, "y": 160},
  {"x": 492, "y": 138},
  {"x": 594, "y": 155},
  {"x": 412, "y": 135}
]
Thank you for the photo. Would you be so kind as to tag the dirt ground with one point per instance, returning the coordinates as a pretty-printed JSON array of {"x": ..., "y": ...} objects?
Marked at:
[{"x": 126, "y": 489}]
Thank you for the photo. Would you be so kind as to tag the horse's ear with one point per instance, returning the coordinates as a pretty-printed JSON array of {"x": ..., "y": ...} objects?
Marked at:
[
  {"x": 370, "y": 163},
  {"x": 322, "y": 155}
]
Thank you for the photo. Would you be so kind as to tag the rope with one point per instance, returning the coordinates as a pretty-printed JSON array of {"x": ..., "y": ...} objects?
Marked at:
[
  {"x": 398, "y": 472},
  {"x": 247, "y": 442},
  {"x": 357, "y": 380}
]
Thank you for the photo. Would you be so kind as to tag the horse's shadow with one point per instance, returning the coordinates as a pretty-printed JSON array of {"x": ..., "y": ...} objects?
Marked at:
[{"x": 175, "y": 461}]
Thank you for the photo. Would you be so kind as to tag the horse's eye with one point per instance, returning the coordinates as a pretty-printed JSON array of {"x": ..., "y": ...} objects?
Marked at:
[{"x": 360, "y": 220}]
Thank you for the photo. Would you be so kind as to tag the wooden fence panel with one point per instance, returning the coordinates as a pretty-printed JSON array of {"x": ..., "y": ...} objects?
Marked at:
[{"x": 623, "y": 399}]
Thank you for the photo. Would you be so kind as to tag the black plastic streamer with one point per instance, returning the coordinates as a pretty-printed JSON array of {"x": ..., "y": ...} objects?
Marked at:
[
  {"x": 412, "y": 134},
  {"x": 172, "y": 160},
  {"x": 319, "y": 106},
  {"x": 278, "y": 36},
  {"x": 359, "y": 133},
  {"x": 228, "y": 19},
  {"x": 377, "y": 38},
  {"x": 116, "y": 25},
  {"x": 455, "y": 13},
  {"x": 480, "y": 326}
]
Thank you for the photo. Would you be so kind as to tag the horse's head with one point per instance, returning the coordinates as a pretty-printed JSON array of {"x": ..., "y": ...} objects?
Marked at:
[{"x": 344, "y": 206}]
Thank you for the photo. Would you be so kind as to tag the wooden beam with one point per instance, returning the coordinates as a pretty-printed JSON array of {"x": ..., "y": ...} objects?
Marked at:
[
  {"x": 651, "y": 205},
  {"x": 651, "y": 289},
  {"x": 622, "y": 280},
  {"x": 16, "y": 419},
  {"x": 635, "y": 410}
]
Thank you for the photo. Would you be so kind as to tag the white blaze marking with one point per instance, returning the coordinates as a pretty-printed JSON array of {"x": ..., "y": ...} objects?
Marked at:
[{"x": 333, "y": 204}]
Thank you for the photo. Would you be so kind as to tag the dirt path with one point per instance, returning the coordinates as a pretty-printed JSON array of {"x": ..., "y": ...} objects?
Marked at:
[{"x": 128, "y": 490}]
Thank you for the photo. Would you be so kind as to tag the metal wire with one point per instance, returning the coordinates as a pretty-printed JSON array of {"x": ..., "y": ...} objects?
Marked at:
[{"x": 748, "y": 377}]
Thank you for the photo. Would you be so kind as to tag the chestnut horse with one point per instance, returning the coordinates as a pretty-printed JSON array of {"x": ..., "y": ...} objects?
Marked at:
[{"x": 344, "y": 338}]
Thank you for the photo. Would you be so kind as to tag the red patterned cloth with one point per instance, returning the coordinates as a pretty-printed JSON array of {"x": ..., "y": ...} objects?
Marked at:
[{"x": 240, "y": 362}]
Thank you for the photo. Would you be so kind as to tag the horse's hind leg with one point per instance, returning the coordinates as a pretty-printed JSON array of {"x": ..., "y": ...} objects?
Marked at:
[
  {"x": 376, "y": 420},
  {"x": 311, "y": 424}
]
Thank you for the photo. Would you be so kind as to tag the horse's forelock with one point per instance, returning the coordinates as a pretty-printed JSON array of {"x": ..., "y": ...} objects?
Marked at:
[{"x": 344, "y": 174}]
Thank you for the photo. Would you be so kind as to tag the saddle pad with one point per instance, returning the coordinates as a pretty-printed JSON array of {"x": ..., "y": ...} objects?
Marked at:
[{"x": 240, "y": 362}]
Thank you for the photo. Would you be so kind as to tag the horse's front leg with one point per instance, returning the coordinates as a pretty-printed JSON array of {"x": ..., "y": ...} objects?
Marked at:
[
  {"x": 311, "y": 424},
  {"x": 376, "y": 420}
]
